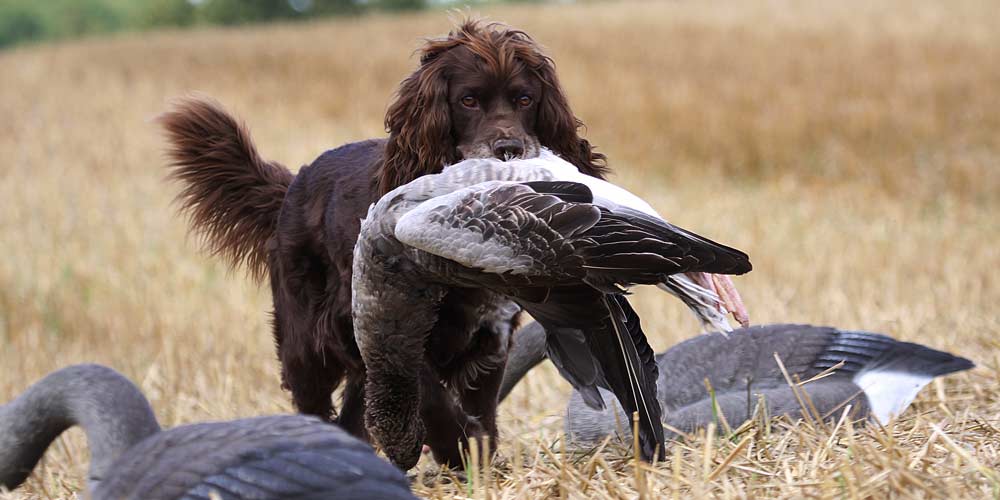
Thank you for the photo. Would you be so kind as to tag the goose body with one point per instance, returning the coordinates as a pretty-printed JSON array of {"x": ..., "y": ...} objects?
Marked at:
[
  {"x": 879, "y": 376},
  {"x": 556, "y": 247},
  {"x": 710, "y": 296},
  {"x": 272, "y": 457}
]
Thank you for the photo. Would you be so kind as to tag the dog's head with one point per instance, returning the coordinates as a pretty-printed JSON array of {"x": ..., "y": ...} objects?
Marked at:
[{"x": 482, "y": 91}]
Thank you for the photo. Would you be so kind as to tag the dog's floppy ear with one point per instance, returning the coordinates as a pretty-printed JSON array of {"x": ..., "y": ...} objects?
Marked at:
[
  {"x": 419, "y": 123},
  {"x": 557, "y": 125}
]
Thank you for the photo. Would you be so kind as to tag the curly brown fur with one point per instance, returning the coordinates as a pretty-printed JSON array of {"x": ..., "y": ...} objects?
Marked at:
[
  {"x": 421, "y": 139},
  {"x": 231, "y": 194},
  {"x": 301, "y": 230}
]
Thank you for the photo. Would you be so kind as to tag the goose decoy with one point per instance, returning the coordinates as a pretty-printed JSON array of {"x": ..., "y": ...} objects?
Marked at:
[
  {"x": 564, "y": 250},
  {"x": 272, "y": 457},
  {"x": 879, "y": 376}
]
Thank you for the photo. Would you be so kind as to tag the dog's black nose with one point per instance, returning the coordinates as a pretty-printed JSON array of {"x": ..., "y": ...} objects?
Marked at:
[{"x": 508, "y": 148}]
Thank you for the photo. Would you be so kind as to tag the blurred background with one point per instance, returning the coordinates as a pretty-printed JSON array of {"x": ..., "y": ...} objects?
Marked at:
[
  {"x": 851, "y": 148},
  {"x": 28, "y": 20}
]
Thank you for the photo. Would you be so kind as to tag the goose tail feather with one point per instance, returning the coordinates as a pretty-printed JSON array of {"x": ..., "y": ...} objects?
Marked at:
[{"x": 890, "y": 372}]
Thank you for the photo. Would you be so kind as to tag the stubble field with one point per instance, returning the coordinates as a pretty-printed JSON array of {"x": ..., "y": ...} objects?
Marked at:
[{"x": 853, "y": 150}]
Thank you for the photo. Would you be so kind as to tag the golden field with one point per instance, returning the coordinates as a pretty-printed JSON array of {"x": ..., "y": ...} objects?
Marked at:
[{"x": 851, "y": 148}]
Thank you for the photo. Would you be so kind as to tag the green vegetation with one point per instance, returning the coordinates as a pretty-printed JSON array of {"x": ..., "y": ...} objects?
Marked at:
[{"x": 31, "y": 20}]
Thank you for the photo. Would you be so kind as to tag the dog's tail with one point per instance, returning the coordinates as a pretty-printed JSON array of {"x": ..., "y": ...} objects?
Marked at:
[{"x": 230, "y": 193}]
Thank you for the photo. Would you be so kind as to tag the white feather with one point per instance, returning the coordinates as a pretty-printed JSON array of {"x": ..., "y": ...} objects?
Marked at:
[
  {"x": 889, "y": 393},
  {"x": 603, "y": 191}
]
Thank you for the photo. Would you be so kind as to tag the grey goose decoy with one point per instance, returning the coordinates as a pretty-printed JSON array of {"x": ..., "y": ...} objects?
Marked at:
[
  {"x": 561, "y": 244},
  {"x": 879, "y": 377},
  {"x": 272, "y": 457}
]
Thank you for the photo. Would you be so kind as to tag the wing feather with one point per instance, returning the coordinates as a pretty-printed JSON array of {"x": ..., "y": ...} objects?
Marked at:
[
  {"x": 615, "y": 344},
  {"x": 502, "y": 228}
]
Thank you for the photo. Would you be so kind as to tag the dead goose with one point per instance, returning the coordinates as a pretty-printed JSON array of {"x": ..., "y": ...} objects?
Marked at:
[
  {"x": 879, "y": 378},
  {"x": 710, "y": 296},
  {"x": 563, "y": 250},
  {"x": 274, "y": 457}
]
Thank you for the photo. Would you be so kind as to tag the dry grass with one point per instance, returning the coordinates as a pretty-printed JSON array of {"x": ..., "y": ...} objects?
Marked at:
[{"x": 853, "y": 149}]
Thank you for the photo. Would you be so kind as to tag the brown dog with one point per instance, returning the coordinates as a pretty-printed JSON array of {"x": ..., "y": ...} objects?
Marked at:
[{"x": 482, "y": 91}]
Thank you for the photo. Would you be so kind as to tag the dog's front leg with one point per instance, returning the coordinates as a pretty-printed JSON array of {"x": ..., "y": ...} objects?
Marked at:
[{"x": 479, "y": 395}]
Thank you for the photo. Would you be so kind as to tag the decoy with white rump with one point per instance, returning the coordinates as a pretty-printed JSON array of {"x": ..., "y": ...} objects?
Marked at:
[
  {"x": 264, "y": 458},
  {"x": 562, "y": 245},
  {"x": 877, "y": 376}
]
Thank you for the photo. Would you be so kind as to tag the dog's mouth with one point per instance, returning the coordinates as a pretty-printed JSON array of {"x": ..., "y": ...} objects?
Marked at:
[{"x": 527, "y": 148}]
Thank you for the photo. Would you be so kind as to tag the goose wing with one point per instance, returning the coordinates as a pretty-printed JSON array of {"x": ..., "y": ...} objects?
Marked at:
[
  {"x": 700, "y": 254},
  {"x": 596, "y": 340},
  {"x": 503, "y": 228},
  {"x": 549, "y": 233}
]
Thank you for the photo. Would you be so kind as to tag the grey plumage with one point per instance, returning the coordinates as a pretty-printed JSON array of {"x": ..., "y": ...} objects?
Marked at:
[
  {"x": 272, "y": 457},
  {"x": 554, "y": 247},
  {"x": 876, "y": 375},
  {"x": 107, "y": 406}
]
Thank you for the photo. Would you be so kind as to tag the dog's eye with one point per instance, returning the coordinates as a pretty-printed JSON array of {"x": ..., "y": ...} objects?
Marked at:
[
  {"x": 470, "y": 102},
  {"x": 524, "y": 101}
]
